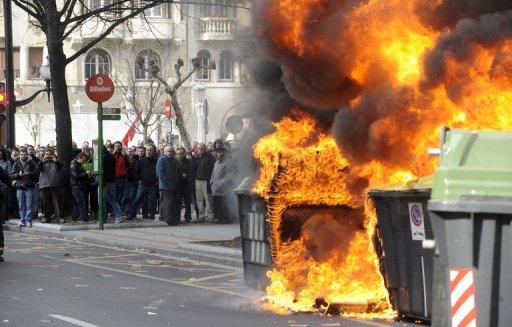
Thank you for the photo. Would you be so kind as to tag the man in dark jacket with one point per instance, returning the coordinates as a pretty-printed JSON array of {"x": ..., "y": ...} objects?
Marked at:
[
  {"x": 79, "y": 180},
  {"x": 203, "y": 172},
  {"x": 184, "y": 185},
  {"x": 167, "y": 182},
  {"x": 145, "y": 170},
  {"x": 5, "y": 181},
  {"x": 49, "y": 184},
  {"x": 24, "y": 173},
  {"x": 109, "y": 188}
]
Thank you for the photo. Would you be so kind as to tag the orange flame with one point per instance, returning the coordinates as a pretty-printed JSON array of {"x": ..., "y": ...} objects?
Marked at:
[{"x": 379, "y": 43}]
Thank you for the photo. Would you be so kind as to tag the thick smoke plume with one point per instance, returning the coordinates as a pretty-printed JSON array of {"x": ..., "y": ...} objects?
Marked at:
[{"x": 396, "y": 70}]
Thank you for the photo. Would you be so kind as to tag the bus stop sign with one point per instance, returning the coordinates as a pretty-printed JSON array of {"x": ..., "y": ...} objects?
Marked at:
[{"x": 99, "y": 88}]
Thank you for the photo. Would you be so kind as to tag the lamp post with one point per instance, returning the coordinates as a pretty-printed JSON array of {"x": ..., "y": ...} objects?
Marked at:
[{"x": 12, "y": 103}]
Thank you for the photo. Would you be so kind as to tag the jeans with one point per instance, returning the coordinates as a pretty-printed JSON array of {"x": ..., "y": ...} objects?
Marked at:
[
  {"x": 142, "y": 191},
  {"x": 130, "y": 193},
  {"x": 25, "y": 199},
  {"x": 79, "y": 206},
  {"x": 120, "y": 193},
  {"x": 109, "y": 196}
]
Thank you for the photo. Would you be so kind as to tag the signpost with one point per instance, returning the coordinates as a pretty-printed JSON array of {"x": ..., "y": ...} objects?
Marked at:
[{"x": 100, "y": 88}]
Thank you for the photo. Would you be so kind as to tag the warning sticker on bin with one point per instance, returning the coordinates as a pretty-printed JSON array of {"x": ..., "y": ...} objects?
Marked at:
[{"x": 417, "y": 221}]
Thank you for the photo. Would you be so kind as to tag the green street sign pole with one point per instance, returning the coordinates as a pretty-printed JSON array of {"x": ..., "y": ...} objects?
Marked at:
[{"x": 100, "y": 166}]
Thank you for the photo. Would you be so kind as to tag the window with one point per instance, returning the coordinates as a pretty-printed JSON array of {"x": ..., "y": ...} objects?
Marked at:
[
  {"x": 213, "y": 8},
  {"x": 155, "y": 11},
  {"x": 97, "y": 61},
  {"x": 95, "y": 4},
  {"x": 226, "y": 66},
  {"x": 145, "y": 59},
  {"x": 35, "y": 57},
  {"x": 203, "y": 74}
]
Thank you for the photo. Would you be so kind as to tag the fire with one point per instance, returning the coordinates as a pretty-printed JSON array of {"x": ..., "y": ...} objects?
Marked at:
[{"x": 397, "y": 70}]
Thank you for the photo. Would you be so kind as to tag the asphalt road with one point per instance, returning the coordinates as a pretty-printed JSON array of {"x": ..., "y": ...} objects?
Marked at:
[{"x": 52, "y": 282}]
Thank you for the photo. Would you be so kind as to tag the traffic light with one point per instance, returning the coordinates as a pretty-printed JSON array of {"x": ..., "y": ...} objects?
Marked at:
[{"x": 2, "y": 102}]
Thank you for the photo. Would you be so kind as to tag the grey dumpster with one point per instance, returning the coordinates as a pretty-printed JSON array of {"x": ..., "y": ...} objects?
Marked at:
[
  {"x": 255, "y": 234},
  {"x": 471, "y": 212},
  {"x": 402, "y": 224}
]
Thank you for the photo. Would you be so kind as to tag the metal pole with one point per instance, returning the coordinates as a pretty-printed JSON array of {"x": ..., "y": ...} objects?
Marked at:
[
  {"x": 10, "y": 105},
  {"x": 101, "y": 200}
]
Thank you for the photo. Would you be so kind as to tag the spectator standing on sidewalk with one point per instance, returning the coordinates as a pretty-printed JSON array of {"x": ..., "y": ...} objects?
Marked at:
[
  {"x": 145, "y": 170},
  {"x": 203, "y": 172},
  {"x": 5, "y": 181},
  {"x": 131, "y": 178},
  {"x": 122, "y": 168},
  {"x": 24, "y": 174},
  {"x": 109, "y": 189},
  {"x": 79, "y": 179},
  {"x": 49, "y": 169},
  {"x": 167, "y": 182},
  {"x": 91, "y": 187},
  {"x": 9, "y": 194},
  {"x": 222, "y": 186},
  {"x": 184, "y": 185},
  {"x": 36, "y": 203},
  {"x": 75, "y": 149}
]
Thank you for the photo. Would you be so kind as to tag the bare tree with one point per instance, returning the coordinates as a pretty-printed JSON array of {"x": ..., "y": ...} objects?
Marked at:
[
  {"x": 59, "y": 20},
  {"x": 31, "y": 116},
  {"x": 143, "y": 94}
]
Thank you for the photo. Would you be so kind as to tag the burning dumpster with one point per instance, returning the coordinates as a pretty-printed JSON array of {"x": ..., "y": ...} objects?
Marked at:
[
  {"x": 471, "y": 211},
  {"x": 254, "y": 231},
  {"x": 402, "y": 224}
]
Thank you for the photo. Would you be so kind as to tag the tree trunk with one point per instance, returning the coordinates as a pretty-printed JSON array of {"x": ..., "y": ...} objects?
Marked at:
[
  {"x": 60, "y": 102},
  {"x": 145, "y": 134},
  {"x": 185, "y": 138}
]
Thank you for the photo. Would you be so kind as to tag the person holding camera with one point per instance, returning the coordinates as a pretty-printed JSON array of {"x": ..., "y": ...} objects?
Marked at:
[
  {"x": 49, "y": 182},
  {"x": 79, "y": 179},
  {"x": 24, "y": 175}
]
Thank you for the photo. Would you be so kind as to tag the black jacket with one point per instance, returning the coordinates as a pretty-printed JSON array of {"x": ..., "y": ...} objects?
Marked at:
[
  {"x": 145, "y": 170},
  {"x": 79, "y": 176},
  {"x": 185, "y": 172},
  {"x": 30, "y": 180},
  {"x": 4, "y": 186},
  {"x": 109, "y": 168},
  {"x": 204, "y": 167}
]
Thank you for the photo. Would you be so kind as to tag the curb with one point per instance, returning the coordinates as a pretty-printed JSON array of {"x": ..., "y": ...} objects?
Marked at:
[
  {"x": 78, "y": 227},
  {"x": 216, "y": 250},
  {"x": 205, "y": 253}
]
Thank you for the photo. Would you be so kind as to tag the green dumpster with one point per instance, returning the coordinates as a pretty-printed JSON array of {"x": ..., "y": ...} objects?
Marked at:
[{"x": 471, "y": 214}]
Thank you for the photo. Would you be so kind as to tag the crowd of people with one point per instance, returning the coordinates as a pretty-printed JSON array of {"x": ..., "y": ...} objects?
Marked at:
[{"x": 164, "y": 182}]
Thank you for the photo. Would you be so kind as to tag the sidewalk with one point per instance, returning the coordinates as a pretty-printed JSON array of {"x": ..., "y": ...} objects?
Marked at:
[{"x": 178, "y": 241}]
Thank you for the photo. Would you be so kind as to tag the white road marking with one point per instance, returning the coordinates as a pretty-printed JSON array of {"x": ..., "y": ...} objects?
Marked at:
[{"x": 73, "y": 321}]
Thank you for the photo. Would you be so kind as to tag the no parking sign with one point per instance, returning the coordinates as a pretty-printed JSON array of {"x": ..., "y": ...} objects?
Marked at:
[{"x": 417, "y": 221}]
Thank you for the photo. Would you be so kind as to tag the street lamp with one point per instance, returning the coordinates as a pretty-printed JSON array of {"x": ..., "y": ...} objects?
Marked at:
[{"x": 44, "y": 70}]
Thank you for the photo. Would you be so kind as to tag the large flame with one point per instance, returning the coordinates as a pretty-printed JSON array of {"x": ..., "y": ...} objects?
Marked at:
[{"x": 397, "y": 76}]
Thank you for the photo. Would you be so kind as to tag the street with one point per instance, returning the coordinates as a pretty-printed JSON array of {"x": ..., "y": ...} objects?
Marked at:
[{"x": 53, "y": 282}]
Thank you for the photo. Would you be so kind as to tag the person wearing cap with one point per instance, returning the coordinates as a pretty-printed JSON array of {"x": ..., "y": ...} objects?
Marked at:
[{"x": 222, "y": 184}]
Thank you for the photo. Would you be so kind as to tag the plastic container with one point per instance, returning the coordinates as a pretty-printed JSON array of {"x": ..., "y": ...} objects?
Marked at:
[
  {"x": 403, "y": 223},
  {"x": 471, "y": 211}
]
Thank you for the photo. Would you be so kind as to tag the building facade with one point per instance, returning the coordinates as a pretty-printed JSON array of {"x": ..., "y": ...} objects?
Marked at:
[{"x": 214, "y": 31}]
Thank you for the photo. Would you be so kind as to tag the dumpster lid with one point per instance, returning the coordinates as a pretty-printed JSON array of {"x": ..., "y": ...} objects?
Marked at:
[
  {"x": 474, "y": 164},
  {"x": 245, "y": 186},
  {"x": 423, "y": 184}
]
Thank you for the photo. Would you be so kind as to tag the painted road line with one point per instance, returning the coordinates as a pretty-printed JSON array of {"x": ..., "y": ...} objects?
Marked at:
[
  {"x": 156, "y": 278},
  {"x": 195, "y": 280},
  {"x": 73, "y": 321}
]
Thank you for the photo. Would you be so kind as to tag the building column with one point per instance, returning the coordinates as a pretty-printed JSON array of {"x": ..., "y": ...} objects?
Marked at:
[
  {"x": 24, "y": 62},
  {"x": 237, "y": 71}
]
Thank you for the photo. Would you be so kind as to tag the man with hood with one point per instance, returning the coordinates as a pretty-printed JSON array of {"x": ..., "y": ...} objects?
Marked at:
[{"x": 24, "y": 173}]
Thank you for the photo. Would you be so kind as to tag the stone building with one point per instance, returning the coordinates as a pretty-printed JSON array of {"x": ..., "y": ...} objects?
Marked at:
[{"x": 216, "y": 30}]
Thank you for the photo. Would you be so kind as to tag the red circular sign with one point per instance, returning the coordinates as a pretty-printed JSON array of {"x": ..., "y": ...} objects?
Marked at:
[{"x": 99, "y": 88}]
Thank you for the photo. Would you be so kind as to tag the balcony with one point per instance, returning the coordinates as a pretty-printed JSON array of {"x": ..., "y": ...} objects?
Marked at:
[{"x": 217, "y": 28}]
